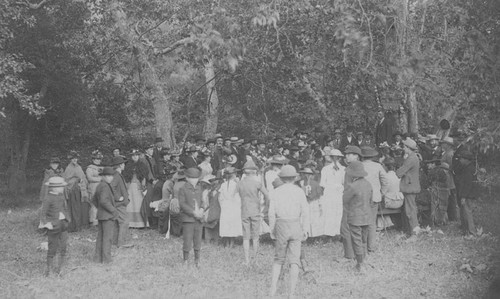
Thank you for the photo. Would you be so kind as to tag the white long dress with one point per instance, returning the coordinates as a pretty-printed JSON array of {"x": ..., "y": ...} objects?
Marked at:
[
  {"x": 230, "y": 210},
  {"x": 331, "y": 202}
]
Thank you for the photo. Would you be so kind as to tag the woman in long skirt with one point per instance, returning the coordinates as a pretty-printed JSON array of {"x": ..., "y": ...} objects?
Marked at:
[
  {"x": 135, "y": 174},
  {"x": 230, "y": 205},
  {"x": 76, "y": 194},
  {"x": 332, "y": 181}
]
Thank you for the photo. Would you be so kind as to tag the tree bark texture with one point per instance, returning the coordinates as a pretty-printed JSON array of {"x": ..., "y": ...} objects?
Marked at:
[
  {"x": 412, "y": 110},
  {"x": 163, "y": 113},
  {"x": 212, "y": 115}
]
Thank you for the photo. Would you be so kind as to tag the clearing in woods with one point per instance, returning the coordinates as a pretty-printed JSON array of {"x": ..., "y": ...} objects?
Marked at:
[{"x": 437, "y": 265}]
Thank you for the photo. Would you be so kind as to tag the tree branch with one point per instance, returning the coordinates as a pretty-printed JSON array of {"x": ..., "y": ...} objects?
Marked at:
[
  {"x": 176, "y": 45},
  {"x": 33, "y": 5}
]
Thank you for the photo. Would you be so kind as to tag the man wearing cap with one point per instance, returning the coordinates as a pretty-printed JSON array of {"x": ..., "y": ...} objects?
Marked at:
[
  {"x": 55, "y": 218},
  {"x": 121, "y": 201},
  {"x": 447, "y": 144},
  {"x": 289, "y": 224},
  {"x": 276, "y": 162},
  {"x": 434, "y": 146},
  {"x": 409, "y": 173},
  {"x": 190, "y": 202},
  {"x": 336, "y": 141},
  {"x": 92, "y": 172},
  {"x": 249, "y": 190},
  {"x": 377, "y": 177},
  {"x": 357, "y": 200},
  {"x": 465, "y": 181},
  {"x": 106, "y": 215}
]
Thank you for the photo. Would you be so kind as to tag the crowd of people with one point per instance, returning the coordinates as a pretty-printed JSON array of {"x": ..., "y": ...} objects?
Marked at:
[{"x": 292, "y": 187}]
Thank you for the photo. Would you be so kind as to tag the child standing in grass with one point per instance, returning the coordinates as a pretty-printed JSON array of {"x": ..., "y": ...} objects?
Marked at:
[{"x": 54, "y": 219}]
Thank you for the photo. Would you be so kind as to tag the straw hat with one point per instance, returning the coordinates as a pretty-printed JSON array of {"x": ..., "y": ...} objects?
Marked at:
[
  {"x": 447, "y": 140},
  {"x": 306, "y": 170},
  {"x": 56, "y": 181},
  {"x": 410, "y": 143},
  {"x": 250, "y": 165},
  {"x": 332, "y": 152},
  {"x": 288, "y": 171},
  {"x": 352, "y": 149}
]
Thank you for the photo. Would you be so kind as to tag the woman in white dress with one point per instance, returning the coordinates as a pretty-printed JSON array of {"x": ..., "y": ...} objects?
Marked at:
[
  {"x": 230, "y": 208},
  {"x": 206, "y": 166},
  {"x": 332, "y": 181}
]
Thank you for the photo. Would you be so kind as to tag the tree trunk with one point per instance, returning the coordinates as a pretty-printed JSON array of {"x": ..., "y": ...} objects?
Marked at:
[
  {"x": 412, "y": 110},
  {"x": 212, "y": 116},
  {"x": 163, "y": 113}
]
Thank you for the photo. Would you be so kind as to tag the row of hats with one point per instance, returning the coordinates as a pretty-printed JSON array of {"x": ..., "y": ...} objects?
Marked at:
[{"x": 57, "y": 181}]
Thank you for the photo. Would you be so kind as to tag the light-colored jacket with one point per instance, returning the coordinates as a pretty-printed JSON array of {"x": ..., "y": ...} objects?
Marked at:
[
  {"x": 409, "y": 173},
  {"x": 377, "y": 177}
]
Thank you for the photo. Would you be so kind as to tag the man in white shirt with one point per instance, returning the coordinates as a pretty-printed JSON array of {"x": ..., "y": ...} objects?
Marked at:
[{"x": 289, "y": 224}]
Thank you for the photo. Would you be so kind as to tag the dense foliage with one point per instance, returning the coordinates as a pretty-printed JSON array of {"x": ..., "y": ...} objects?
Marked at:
[{"x": 95, "y": 73}]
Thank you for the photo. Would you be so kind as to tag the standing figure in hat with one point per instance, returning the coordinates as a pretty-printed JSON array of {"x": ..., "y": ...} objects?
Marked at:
[
  {"x": 179, "y": 179},
  {"x": 409, "y": 173},
  {"x": 465, "y": 181},
  {"x": 158, "y": 154},
  {"x": 54, "y": 169},
  {"x": 289, "y": 224},
  {"x": 211, "y": 224},
  {"x": 150, "y": 162},
  {"x": 107, "y": 214},
  {"x": 55, "y": 218},
  {"x": 293, "y": 158},
  {"x": 78, "y": 196},
  {"x": 352, "y": 154},
  {"x": 230, "y": 205},
  {"x": 120, "y": 194},
  {"x": 447, "y": 144},
  {"x": 435, "y": 149},
  {"x": 348, "y": 139},
  {"x": 190, "y": 201},
  {"x": 397, "y": 138},
  {"x": 93, "y": 177},
  {"x": 276, "y": 162},
  {"x": 377, "y": 177},
  {"x": 357, "y": 201},
  {"x": 164, "y": 161},
  {"x": 175, "y": 162},
  {"x": 313, "y": 192},
  {"x": 250, "y": 189},
  {"x": 384, "y": 128},
  {"x": 135, "y": 175},
  {"x": 191, "y": 161},
  {"x": 438, "y": 179},
  {"x": 332, "y": 182}
]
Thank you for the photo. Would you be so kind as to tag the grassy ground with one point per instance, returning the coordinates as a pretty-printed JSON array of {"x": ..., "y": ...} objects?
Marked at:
[{"x": 428, "y": 268}]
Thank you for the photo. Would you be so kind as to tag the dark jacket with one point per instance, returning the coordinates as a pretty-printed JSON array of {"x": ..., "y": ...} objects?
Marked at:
[
  {"x": 410, "y": 174},
  {"x": 190, "y": 162},
  {"x": 465, "y": 181},
  {"x": 51, "y": 207},
  {"x": 357, "y": 200},
  {"x": 188, "y": 195},
  {"x": 384, "y": 132},
  {"x": 119, "y": 189},
  {"x": 104, "y": 200},
  {"x": 345, "y": 142}
]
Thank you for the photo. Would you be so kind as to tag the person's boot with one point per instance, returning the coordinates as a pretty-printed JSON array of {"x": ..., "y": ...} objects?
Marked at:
[
  {"x": 185, "y": 255},
  {"x": 197, "y": 258},
  {"x": 62, "y": 259},
  {"x": 50, "y": 261},
  {"x": 360, "y": 266}
]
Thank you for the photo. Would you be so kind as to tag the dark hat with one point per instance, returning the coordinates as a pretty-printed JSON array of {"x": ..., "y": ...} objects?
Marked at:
[
  {"x": 260, "y": 142},
  {"x": 306, "y": 170},
  {"x": 444, "y": 124},
  {"x": 356, "y": 170},
  {"x": 210, "y": 141},
  {"x": 294, "y": 148},
  {"x": 200, "y": 139},
  {"x": 349, "y": 129},
  {"x": 158, "y": 139},
  {"x": 352, "y": 149},
  {"x": 193, "y": 172},
  {"x": 389, "y": 161},
  {"x": 135, "y": 152},
  {"x": 368, "y": 133},
  {"x": 73, "y": 154},
  {"x": 107, "y": 171},
  {"x": 117, "y": 161},
  {"x": 368, "y": 152},
  {"x": 359, "y": 133},
  {"x": 288, "y": 171},
  {"x": 247, "y": 141},
  {"x": 55, "y": 160},
  {"x": 97, "y": 154},
  {"x": 191, "y": 149}
]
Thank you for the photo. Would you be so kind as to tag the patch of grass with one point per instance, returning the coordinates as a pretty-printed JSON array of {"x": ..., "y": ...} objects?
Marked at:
[{"x": 428, "y": 268}]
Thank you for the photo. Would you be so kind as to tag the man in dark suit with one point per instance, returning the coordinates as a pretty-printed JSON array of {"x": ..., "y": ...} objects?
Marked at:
[
  {"x": 348, "y": 139},
  {"x": 121, "y": 201},
  {"x": 157, "y": 153},
  {"x": 106, "y": 215},
  {"x": 465, "y": 182},
  {"x": 191, "y": 161},
  {"x": 385, "y": 127}
]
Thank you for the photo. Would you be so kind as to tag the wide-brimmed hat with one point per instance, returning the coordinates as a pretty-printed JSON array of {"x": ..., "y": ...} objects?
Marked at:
[
  {"x": 56, "y": 181},
  {"x": 433, "y": 137},
  {"x": 337, "y": 131},
  {"x": 107, "y": 171},
  {"x": 410, "y": 143},
  {"x": 234, "y": 139},
  {"x": 210, "y": 141},
  {"x": 135, "y": 152},
  {"x": 356, "y": 170},
  {"x": 368, "y": 152},
  {"x": 278, "y": 159},
  {"x": 158, "y": 139},
  {"x": 422, "y": 138},
  {"x": 352, "y": 149},
  {"x": 117, "y": 160},
  {"x": 306, "y": 170},
  {"x": 288, "y": 171},
  {"x": 73, "y": 155},
  {"x": 200, "y": 139},
  {"x": 55, "y": 160},
  {"x": 250, "y": 165},
  {"x": 332, "y": 152},
  {"x": 97, "y": 155},
  {"x": 447, "y": 140},
  {"x": 192, "y": 173},
  {"x": 218, "y": 135}
]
